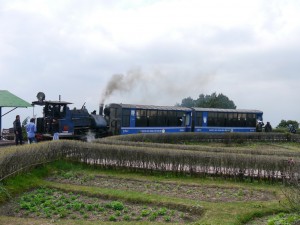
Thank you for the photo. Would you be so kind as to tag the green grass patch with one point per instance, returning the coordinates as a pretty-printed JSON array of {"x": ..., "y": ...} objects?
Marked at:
[{"x": 22, "y": 182}]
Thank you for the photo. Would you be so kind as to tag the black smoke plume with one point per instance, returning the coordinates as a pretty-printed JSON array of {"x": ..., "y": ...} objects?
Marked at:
[{"x": 121, "y": 83}]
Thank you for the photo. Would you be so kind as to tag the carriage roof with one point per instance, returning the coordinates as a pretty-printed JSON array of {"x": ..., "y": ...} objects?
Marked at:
[
  {"x": 198, "y": 109},
  {"x": 151, "y": 107}
]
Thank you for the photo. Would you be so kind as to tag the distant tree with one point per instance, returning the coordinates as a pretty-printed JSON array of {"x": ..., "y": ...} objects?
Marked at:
[
  {"x": 188, "y": 102},
  {"x": 209, "y": 101},
  {"x": 285, "y": 123}
]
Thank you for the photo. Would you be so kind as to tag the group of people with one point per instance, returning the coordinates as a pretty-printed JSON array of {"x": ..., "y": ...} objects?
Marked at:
[
  {"x": 260, "y": 124},
  {"x": 30, "y": 129}
]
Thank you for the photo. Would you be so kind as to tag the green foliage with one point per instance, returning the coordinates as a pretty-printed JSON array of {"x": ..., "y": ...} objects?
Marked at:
[
  {"x": 167, "y": 218},
  {"x": 116, "y": 205},
  {"x": 126, "y": 218},
  {"x": 209, "y": 101},
  {"x": 153, "y": 216},
  {"x": 162, "y": 211},
  {"x": 145, "y": 212},
  {"x": 4, "y": 192},
  {"x": 285, "y": 123},
  {"x": 53, "y": 203},
  {"x": 112, "y": 218},
  {"x": 187, "y": 102},
  {"x": 284, "y": 219}
]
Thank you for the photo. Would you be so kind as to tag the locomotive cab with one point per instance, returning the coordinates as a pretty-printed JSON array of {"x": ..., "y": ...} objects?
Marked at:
[{"x": 54, "y": 119}]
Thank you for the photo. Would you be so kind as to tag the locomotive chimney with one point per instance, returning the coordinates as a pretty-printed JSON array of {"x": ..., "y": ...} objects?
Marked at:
[{"x": 101, "y": 109}]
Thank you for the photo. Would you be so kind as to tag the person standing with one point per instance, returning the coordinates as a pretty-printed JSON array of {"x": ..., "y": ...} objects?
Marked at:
[
  {"x": 268, "y": 127},
  {"x": 18, "y": 131},
  {"x": 55, "y": 128},
  {"x": 31, "y": 129},
  {"x": 259, "y": 126}
]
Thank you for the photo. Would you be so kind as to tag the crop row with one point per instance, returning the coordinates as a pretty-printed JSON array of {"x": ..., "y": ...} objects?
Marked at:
[
  {"x": 149, "y": 158},
  {"x": 53, "y": 203}
]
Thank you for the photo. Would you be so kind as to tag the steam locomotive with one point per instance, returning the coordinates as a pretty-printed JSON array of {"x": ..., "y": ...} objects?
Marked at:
[
  {"x": 120, "y": 119},
  {"x": 59, "y": 119}
]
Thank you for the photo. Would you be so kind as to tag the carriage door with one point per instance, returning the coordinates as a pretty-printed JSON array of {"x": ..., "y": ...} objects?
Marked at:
[
  {"x": 115, "y": 120},
  {"x": 187, "y": 121}
]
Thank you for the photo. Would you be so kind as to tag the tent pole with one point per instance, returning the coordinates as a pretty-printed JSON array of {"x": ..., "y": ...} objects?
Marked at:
[{"x": 8, "y": 111}]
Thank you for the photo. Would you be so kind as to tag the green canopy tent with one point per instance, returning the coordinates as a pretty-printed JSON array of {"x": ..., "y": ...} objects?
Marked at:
[{"x": 8, "y": 99}]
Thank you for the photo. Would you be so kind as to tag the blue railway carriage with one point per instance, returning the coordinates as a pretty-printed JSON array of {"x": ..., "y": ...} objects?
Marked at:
[
  {"x": 132, "y": 119},
  {"x": 225, "y": 120}
]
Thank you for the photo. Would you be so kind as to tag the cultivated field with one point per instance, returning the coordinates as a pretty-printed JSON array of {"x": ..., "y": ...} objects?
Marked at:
[{"x": 148, "y": 180}]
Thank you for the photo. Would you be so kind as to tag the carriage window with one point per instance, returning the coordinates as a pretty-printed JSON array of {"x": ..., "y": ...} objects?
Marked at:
[
  {"x": 162, "y": 117},
  {"x": 143, "y": 112},
  {"x": 232, "y": 119},
  {"x": 251, "y": 119},
  {"x": 222, "y": 119},
  {"x": 212, "y": 119},
  {"x": 126, "y": 118},
  {"x": 152, "y": 118},
  {"x": 152, "y": 113},
  {"x": 242, "y": 119},
  {"x": 141, "y": 118},
  {"x": 199, "y": 120},
  {"x": 180, "y": 118}
]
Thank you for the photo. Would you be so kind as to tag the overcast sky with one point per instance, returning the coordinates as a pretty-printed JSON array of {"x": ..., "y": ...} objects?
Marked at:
[{"x": 161, "y": 50}]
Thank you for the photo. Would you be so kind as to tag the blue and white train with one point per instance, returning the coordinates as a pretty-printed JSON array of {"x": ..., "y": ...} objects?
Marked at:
[
  {"x": 120, "y": 119},
  {"x": 132, "y": 119}
]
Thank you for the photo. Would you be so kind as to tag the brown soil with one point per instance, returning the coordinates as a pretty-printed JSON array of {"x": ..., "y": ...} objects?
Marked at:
[{"x": 194, "y": 192}]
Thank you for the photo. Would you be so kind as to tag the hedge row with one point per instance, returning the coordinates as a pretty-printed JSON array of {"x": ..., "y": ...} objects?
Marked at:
[
  {"x": 177, "y": 138},
  {"x": 266, "y": 150},
  {"x": 271, "y": 167}
]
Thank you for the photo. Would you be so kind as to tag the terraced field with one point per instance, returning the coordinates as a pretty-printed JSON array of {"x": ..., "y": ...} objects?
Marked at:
[{"x": 73, "y": 192}]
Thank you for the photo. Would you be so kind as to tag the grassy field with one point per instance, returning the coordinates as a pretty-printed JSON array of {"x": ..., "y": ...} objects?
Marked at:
[{"x": 63, "y": 192}]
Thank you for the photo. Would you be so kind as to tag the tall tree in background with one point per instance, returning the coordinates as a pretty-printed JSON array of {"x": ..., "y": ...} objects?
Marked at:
[
  {"x": 285, "y": 123},
  {"x": 209, "y": 101}
]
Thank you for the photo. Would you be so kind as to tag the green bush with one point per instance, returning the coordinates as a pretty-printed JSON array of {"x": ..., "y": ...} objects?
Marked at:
[{"x": 116, "y": 205}]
